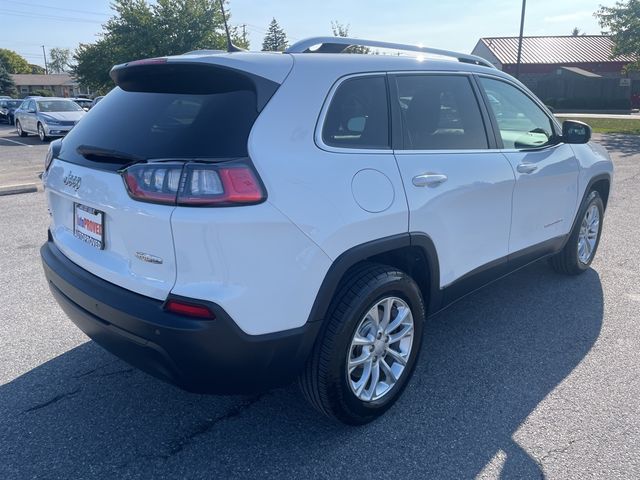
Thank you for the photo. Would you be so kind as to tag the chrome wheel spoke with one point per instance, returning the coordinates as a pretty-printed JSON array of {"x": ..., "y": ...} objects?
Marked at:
[
  {"x": 363, "y": 358},
  {"x": 396, "y": 337},
  {"x": 360, "y": 340},
  {"x": 375, "y": 378},
  {"x": 390, "y": 376},
  {"x": 397, "y": 356},
  {"x": 386, "y": 314},
  {"x": 403, "y": 314},
  {"x": 366, "y": 374}
]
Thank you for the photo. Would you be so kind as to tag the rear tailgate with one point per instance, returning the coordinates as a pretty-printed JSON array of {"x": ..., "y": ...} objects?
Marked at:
[
  {"x": 181, "y": 110},
  {"x": 133, "y": 232}
]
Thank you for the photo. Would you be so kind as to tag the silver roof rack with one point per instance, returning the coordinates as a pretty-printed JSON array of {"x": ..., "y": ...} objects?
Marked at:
[{"x": 339, "y": 44}]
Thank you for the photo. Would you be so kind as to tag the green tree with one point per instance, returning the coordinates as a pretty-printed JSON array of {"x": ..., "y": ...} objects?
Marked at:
[
  {"x": 622, "y": 22},
  {"x": 342, "y": 30},
  {"x": 7, "y": 85},
  {"x": 13, "y": 62},
  {"x": 59, "y": 59},
  {"x": 276, "y": 39},
  {"x": 36, "y": 69},
  {"x": 142, "y": 30}
]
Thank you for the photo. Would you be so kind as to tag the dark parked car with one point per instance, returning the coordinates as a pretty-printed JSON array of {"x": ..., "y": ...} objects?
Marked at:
[
  {"x": 7, "y": 109},
  {"x": 85, "y": 103}
]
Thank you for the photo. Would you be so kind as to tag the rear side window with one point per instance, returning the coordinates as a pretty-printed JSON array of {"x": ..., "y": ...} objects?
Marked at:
[
  {"x": 440, "y": 112},
  {"x": 358, "y": 116},
  {"x": 166, "y": 125}
]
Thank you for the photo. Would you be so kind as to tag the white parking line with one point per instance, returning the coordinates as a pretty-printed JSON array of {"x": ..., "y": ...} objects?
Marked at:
[{"x": 15, "y": 141}]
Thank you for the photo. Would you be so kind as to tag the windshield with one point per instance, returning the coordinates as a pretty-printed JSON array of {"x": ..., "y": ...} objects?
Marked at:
[
  {"x": 58, "y": 106},
  {"x": 13, "y": 104}
]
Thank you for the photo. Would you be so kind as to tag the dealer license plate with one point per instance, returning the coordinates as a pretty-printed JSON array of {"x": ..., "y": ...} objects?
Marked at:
[{"x": 88, "y": 225}]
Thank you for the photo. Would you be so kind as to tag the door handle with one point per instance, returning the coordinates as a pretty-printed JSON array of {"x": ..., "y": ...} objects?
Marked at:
[
  {"x": 429, "y": 179},
  {"x": 527, "y": 167}
]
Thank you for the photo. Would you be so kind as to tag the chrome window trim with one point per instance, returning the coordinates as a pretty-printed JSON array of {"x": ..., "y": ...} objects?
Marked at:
[
  {"x": 323, "y": 114},
  {"x": 327, "y": 102}
]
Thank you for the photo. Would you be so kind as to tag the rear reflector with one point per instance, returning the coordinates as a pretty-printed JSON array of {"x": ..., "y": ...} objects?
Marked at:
[
  {"x": 202, "y": 184},
  {"x": 189, "y": 309}
]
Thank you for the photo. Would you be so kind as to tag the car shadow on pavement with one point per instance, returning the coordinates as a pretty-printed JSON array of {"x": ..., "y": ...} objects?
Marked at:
[
  {"x": 487, "y": 362},
  {"x": 624, "y": 145}
]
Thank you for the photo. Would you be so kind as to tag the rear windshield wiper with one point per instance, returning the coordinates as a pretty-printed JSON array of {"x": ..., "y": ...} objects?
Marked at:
[{"x": 99, "y": 154}]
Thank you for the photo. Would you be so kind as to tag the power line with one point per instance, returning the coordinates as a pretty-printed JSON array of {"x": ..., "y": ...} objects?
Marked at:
[
  {"x": 39, "y": 5},
  {"x": 18, "y": 13}
]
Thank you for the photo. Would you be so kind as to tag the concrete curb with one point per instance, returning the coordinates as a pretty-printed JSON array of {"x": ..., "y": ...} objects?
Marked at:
[{"x": 15, "y": 189}]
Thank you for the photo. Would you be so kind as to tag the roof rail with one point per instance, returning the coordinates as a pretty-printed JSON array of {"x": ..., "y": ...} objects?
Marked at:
[{"x": 339, "y": 44}]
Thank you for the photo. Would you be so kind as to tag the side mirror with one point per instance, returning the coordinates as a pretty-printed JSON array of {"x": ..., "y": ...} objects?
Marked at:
[{"x": 575, "y": 132}]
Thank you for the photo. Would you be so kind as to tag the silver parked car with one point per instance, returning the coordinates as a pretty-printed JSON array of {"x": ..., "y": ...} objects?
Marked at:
[{"x": 47, "y": 117}]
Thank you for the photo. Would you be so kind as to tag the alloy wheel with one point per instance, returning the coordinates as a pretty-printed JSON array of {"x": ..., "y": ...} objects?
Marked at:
[
  {"x": 588, "y": 235},
  {"x": 380, "y": 349}
]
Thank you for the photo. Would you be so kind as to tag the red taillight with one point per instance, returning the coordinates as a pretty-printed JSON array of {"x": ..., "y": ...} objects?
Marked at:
[
  {"x": 189, "y": 309},
  {"x": 195, "y": 183}
]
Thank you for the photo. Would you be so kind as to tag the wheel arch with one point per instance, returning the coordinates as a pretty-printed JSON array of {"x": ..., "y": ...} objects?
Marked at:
[
  {"x": 602, "y": 185},
  {"x": 413, "y": 253}
]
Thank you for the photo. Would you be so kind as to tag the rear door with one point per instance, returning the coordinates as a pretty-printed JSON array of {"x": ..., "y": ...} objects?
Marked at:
[
  {"x": 546, "y": 192},
  {"x": 458, "y": 185},
  {"x": 166, "y": 116}
]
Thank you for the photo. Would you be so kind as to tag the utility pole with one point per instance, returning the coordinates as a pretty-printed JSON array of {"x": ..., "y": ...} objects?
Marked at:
[
  {"x": 524, "y": 5},
  {"x": 46, "y": 70}
]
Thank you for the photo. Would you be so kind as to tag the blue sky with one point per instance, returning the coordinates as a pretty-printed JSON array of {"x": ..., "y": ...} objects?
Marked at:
[{"x": 453, "y": 24}]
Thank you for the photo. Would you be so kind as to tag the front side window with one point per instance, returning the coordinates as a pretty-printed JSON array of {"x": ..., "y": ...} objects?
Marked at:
[
  {"x": 522, "y": 123},
  {"x": 440, "y": 112},
  {"x": 358, "y": 116}
]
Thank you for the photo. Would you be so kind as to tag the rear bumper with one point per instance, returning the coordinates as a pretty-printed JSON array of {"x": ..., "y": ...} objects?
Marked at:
[{"x": 208, "y": 356}]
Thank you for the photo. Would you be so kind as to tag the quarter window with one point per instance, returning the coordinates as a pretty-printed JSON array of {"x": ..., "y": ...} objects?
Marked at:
[
  {"x": 440, "y": 112},
  {"x": 522, "y": 123},
  {"x": 358, "y": 116}
]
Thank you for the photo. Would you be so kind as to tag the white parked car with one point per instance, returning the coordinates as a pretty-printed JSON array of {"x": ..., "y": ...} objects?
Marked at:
[
  {"x": 47, "y": 117},
  {"x": 232, "y": 222}
]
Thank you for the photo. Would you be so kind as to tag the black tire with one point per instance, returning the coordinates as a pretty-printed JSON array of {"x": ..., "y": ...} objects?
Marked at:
[
  {"x": 567, "y": 260},
  {"x": 21, "y": 132},
  {"x": 325, "y": 382}
]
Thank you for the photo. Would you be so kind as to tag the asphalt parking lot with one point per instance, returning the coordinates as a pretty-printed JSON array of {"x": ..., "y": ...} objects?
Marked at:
[
  {"x": 21, "y": 158},
  {"x": 535, "y": 376}
]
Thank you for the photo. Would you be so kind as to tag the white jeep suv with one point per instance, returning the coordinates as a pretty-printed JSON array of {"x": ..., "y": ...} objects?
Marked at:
[{"x": 230, "y": 222}]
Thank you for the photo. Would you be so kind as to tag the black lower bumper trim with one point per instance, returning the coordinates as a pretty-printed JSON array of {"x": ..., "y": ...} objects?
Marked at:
[{"x": 208, "y": 356}]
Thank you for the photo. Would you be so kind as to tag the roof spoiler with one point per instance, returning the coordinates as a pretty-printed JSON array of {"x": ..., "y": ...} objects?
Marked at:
[
  {"x": 340, "y": 44},
  {"x": 157, "y": 75}
]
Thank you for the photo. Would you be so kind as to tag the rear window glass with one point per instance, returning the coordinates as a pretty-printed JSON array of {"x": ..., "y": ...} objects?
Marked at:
[
  {"x": 358, "y": 116},
  {"x": 166, "y": 125}
]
